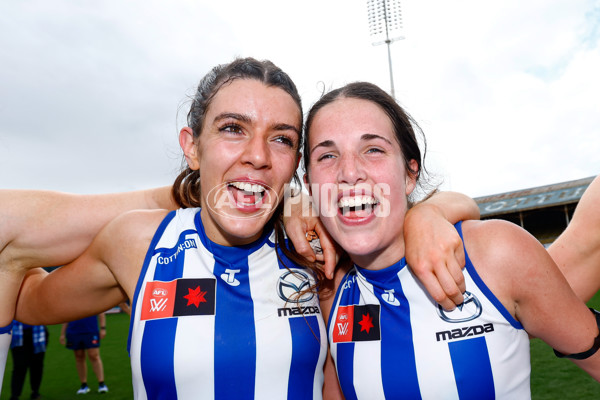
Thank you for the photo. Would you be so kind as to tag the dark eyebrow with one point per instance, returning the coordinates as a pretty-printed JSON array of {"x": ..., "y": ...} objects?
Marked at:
[
  {"x": 325, "y": 143},
  {"x": 372, "y": 136},
  {"x": 239, "y": 117},
  {"x": 287, "y": 127},
  {"x": 365, "y": 137}
]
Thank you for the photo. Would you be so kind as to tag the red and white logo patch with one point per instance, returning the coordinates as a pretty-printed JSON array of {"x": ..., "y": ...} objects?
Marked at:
[{"x": 178, "y": 298}]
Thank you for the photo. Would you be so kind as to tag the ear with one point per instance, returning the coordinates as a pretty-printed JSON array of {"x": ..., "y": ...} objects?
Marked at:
[
  {"x": 189, "y": 147},
  {"x": 411, "y": 176}
]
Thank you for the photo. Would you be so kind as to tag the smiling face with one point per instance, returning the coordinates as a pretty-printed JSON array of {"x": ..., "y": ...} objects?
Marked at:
[
  {"x": 358, "y": 180},
  {"x": 246, "y": 153}
]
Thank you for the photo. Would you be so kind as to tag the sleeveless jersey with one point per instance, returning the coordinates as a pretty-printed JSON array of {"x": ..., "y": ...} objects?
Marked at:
[
  {"x": 217, "y": 322},
  {"x": 5, "y": 338},
  {"x": 389, "y": 339}
]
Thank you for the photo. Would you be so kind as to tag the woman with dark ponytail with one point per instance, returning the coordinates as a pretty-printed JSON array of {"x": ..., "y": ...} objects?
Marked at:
[{"x": 220, "y": 307}]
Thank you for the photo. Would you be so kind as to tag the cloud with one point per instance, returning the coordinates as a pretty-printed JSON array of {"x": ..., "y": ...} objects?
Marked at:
[{"x": 94, "y": 94}]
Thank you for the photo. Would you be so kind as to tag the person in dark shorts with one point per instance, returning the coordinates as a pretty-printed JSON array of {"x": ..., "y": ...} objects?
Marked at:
[
  {"x": 83, "y": 336},
  {"x": 28, "y": 348}
]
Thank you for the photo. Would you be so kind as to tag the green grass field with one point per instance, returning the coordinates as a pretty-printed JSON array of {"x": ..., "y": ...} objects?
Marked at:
[
  {"x": 554, "y": 378},
  {"x": 60, "y": 381},
  {"x": 551, "y": 378}
]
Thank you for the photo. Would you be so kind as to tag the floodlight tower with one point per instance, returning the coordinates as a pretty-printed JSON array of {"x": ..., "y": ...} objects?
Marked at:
[{"x": 385, "y": 24}]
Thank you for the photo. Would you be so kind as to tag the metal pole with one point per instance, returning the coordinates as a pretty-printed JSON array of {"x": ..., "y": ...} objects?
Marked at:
[
  {"x": 379, "y": 20},
  {"x": 389, "y": 42}
]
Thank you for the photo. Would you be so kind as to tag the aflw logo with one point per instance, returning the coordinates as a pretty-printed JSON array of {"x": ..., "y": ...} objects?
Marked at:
[
  {"x": 343, "y": 328},
  {"x": 158, "y": 305}
]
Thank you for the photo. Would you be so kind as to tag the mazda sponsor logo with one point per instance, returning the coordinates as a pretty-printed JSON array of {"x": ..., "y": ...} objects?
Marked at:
[
  {"x": 293, "y": 286},
  {"x": 469, "y": 310},
  {"x": 464, "y": 332}
]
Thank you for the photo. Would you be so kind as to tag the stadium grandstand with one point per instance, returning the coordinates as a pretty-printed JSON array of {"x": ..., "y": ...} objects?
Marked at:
[{"x": 543, "y": 211}]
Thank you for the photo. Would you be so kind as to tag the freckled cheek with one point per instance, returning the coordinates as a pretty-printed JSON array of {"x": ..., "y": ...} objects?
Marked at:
[{"x": 282, "y": 173}]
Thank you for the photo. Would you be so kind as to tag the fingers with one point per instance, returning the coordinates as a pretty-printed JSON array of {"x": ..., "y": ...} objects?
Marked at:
[
  {"x": 452, "y": 285},
  {"x": 455, "y": 267},
  {"x": 297, "y": 234},
  {"x": 443, "y": 280},
  {"x": 432, "y": 285},
  {"x": 330, "y": 251}
]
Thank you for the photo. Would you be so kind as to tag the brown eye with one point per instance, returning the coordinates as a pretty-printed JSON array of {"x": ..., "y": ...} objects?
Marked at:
[
  {"x": 286, "y": 141},
  {"x": 231, "y": 128}
]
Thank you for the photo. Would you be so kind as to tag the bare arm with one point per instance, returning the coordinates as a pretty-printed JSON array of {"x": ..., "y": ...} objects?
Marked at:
[
  {"x": 44, "y": 228},
  {"x": 577, "y": 249},
  {"x": 102, "y": 277},
  {"x": 523, "y": 276},
  {"x": 434, "y": 250}
]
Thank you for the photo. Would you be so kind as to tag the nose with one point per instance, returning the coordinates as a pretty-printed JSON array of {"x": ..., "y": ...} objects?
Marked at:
[
  {"x": 256, "y": 153},
  {"x": 351, "y": 171}
]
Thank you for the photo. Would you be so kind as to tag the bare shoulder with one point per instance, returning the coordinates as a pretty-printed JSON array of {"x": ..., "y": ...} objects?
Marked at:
[
  {"x": 135, "y": 223},
  {"x": 505, "y": 256},
  {"x": 498, "y": 239},
  {"x": 129, "y": 231},
  {"x": 523, "y": 276},
  {"x": 123, "y": 243}
]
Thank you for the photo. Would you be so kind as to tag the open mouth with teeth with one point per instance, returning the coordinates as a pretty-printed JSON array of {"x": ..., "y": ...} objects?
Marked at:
[
  {"x": 357, "y": 206},
  {"x": 246, "y": 194}
]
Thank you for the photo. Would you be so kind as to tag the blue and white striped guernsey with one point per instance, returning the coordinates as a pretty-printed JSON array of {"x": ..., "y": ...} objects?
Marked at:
[
  {"x": 389, "y": 339},
  {"x": 217, "y": 322}
]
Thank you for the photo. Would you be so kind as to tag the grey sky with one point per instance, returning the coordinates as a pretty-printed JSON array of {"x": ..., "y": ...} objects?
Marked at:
[{"x": 93, "y": 93}]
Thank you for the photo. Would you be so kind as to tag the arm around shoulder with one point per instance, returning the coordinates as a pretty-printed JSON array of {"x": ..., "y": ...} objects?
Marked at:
[
  {"x": 65, "y": 223},
  {"x": 102, "y": 277},
  {"x": 434, "y": 250}
]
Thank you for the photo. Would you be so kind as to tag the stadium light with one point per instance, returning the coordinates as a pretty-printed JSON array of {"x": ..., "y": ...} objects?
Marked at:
[{"x": 385, "y": 25}]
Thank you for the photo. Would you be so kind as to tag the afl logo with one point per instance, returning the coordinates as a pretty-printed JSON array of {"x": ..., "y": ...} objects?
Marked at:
[
  {"x": 293, "y": 286},
  {"x": 159, "y": 292},
  {"x": 470, "y": 309},
  {"x": 222, "y": 202}
]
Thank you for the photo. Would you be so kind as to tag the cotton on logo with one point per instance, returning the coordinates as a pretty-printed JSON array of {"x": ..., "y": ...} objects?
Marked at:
[{"x": 158, "y": 305}]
